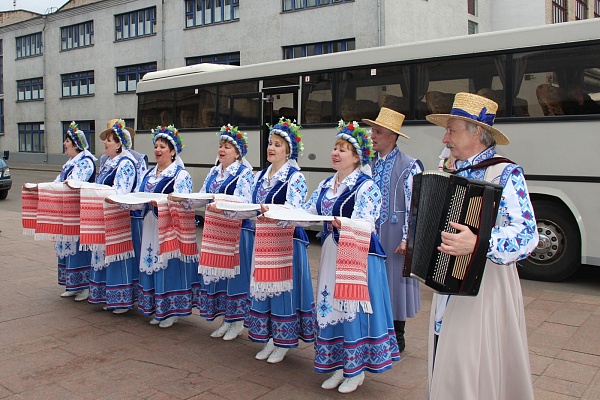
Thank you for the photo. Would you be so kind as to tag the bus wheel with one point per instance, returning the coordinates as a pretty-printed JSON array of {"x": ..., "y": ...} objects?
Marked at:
[{"x": 558, "y": 253}]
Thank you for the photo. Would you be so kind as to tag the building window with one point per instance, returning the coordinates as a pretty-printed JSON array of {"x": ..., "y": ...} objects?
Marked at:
[
  {"x": 88, "y": 128},
  {"x": 596, "y": 8},
  {"x": 30, "y": 89},
  {"x": 314, "y": 49},
  {"x": 291, "y": 5},
  {"x": 135, "y": 24},
  {"x": 226, "y": 58},
  {"x": 205, "y": 12},
  {"x": 1, "y": 68},
  {"x": 473, "y": 28},
  {"x": 581, "y": 9},
  {"x": 30, "y": 45},
  {"x": 74, "y": 36},
  {"x": 31, "y": 137},
  {"x": 78, "y": 84},
  {"x": 472, "y": 7},
  {"x": 128, "y": 77},
  {"x": 559, "y": 11}
]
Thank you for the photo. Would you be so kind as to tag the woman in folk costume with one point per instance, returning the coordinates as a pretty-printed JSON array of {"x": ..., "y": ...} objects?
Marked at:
[
  {"x": 115, "y": 283},
  {"x": 165, "y": 288},
  {"x": 227, "y": 293},
  {"x": 73, "y": 264},
  {"x": 281, "y": 312},
  {"x": 353, "y": 336}
]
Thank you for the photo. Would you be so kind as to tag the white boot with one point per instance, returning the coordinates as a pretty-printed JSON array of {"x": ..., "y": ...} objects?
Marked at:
[
  {"x": 154, "y": 321},
  {"x": 234, "y": 330},
  {"x": 167, "y": 323},
  {"x": 351, "y": 384},
  {"x": 266, "y": 351},
  {"x": 83, "y": 295},
  {"x": 334, "y": 380},
  {"x": 221, "y": 331},
  {"x": 120, "y": 310},
  {"x": 69, "y": 294},
  {"x": 278, "y": 355}
]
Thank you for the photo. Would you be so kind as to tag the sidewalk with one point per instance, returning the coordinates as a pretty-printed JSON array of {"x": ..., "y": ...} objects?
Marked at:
[{"x": 56, "y": 348}]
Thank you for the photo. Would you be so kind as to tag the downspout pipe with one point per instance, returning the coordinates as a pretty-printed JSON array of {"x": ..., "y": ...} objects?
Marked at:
[{"x": 44, "y": 81}]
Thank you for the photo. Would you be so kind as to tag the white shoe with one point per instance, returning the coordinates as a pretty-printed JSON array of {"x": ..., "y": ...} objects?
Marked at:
[
  {"x": 221, "y": 331},
  {"x": 69, "y": 294},
  {"x": 234, "y": 330},
  {"x": 266, "y": 351},
  {"x": 154, "y": 321},
  {"x": 120, "y": 310},
  {"x": 167, "y": 323},
  {"x": 278, "y": 355},
  {"x": 334, "y": 380},
  {"x": 351, "y": 384},
  {"x": 83, "y": 295}
]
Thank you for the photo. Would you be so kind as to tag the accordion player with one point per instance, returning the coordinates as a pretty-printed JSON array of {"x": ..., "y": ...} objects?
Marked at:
[{"x": 438, "y": 199}]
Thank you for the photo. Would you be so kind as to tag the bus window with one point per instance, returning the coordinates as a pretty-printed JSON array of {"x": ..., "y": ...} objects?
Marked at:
[
  {"x": 317, "y": 99},
  {"x": 246, "y": 111},
  {"x": 186, "y": 108},
  {"x": 155, "y": 109},
  {"x": 560, "y": 81}
]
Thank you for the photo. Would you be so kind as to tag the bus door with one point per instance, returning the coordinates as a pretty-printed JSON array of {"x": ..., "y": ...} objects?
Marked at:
[{"x": 281, "y": 101}]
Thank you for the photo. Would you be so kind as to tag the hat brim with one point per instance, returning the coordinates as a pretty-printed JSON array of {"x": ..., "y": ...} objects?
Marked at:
[
  {"x": 442, "y": 120},
  {"x": 106, "y": 131},
  {"x": 370, "y": 122}
]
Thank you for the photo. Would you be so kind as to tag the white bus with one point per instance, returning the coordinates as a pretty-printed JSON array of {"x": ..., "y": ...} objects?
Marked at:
[{"x": 545, "y": 79}]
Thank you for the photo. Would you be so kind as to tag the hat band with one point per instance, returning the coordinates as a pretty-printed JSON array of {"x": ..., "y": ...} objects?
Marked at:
[{"x": 483, "y": 117}]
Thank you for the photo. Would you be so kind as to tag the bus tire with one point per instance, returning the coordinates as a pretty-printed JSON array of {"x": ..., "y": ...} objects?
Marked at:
[{"x": 558, "y": 254}]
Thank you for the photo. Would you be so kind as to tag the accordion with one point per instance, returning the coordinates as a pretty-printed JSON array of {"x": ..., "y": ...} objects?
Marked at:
[{"x": 438, "y": 199}]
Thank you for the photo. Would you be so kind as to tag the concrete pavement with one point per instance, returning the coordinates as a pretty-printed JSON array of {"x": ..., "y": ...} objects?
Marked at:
[{"x": 56, "y": 348}]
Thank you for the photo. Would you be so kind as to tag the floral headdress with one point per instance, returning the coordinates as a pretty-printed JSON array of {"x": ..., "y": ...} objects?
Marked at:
[
  {"x": 233, "y": 135},
  {"x": 291, "y": 133},
  {"x": 122, "y": 133},
  {"x": 171, "y": 134},
  {"x": 78, "y": 136},
  {"x": 358, "y": 137}
]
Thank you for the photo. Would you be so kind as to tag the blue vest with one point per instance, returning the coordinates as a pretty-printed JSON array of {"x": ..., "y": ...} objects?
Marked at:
[
  {"x": 229, "y": 184},
  {"x": 165, "y": 185},
  {"x": 64, "y": 175},
  {"x": 109, "y": 178}
]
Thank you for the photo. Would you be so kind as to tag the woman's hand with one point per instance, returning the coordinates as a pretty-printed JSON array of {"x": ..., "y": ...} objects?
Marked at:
[
  {"x": 262, "y": 218},
  {"x": 154, "y": 203},
  {"x": 336, "y": 223},
  {"x": 212, "y": 207},
  {"x": 109, "y": 201},
  {"x": 401, "y": 249},
  {"x": 170, "y": 197}
]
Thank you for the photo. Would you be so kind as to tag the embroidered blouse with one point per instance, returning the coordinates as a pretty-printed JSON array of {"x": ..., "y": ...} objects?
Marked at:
[
  {"x": 125, "y": 176},
  {"x": 82, "y": 168}
]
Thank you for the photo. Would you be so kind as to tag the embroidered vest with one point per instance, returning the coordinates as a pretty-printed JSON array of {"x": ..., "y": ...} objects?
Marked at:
[
  {"x": 229, "y": 184},
  {"x": 108, "y": 178},
  {"x": 64, "y": 175}
]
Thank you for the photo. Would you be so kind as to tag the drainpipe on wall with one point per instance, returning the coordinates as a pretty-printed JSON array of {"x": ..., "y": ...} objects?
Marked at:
[
  {"x": 378, "y": 23},
  {"x": 44, "y": 81},
  {"x": 162, "y": 32}
]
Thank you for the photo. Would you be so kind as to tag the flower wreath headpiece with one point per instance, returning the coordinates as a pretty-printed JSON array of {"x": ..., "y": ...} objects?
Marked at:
[
  {"x": 122, "y": 133},
  {"x": 78, "y": 136},
  {"x": 358, "y": 137},
  {"x": 288, "y": 130},
  {"x": 171, "y": 134},
  {"x": 233, "y": 135}
]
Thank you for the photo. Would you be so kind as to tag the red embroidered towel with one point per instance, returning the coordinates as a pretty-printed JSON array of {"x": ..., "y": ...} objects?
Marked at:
[
  {"x": 117, "y": 222},
  {"x": 219, "y": 254},
  {"x": 351, "y": 285},
  {"x": 50, "y": 215},
  {"x": 176, "y": 232},
  {"x": 92, "y": 228},
  {"x": 273, "y": 247},
  {"x": 29, "y": 206}
]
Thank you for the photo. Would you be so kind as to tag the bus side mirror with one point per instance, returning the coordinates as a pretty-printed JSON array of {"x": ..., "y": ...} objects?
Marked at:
[{"x": 6, "y": 154}]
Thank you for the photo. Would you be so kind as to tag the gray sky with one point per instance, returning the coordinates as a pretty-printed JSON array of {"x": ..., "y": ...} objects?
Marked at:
[{"x": 38, "y": 6}]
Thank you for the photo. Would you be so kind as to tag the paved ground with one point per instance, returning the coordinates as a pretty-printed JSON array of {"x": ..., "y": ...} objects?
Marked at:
[{"x": 55, "y": 348}]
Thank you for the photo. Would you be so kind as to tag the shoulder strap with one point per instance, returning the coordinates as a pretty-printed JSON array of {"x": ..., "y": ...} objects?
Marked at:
[{"x": 485, "y": 163}]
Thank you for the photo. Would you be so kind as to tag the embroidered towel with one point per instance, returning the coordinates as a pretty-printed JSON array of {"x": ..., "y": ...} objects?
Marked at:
[
  {"x": 351, "y": 285},
  {"x": 273, "y": 247},
  {"x": 117, "y": 224},
  {"x": 51, "y": 211},
  {"x": 176, "y": 232},
  {"x": 219, "y": 253},
  {"x": 29, "y": 204},
  {"x": 92, "y": 228}
]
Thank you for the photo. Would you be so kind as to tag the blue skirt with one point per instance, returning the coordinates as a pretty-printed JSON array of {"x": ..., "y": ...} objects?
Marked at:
[
  {"x": 366, "y": 343},
  {"x": 290, "y": 315},
  {"x": 74, "y": 271},
  {"x": 229, "y": 297}
]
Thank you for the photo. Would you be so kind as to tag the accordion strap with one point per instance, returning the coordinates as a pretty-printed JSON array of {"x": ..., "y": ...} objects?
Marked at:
[{"x": 484, "y": 164}]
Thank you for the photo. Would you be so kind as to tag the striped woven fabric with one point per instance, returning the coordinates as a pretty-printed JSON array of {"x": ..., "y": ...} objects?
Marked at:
[
  {"x": 117, "y": 222},
  {"x": 58, "y": 212},
  {"x": 92, "y": 228},
  {"x": 351, "y": 285},
  {"x": 29, "y": 204},
  {"x": 220, "y": 252},
  {"x": 176, "y": 232},
  {"x": 273, "y": 258}
]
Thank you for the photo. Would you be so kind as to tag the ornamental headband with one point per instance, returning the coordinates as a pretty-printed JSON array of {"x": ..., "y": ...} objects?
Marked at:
[
  {"x": 77, "y": 136},
  {"x": 472, "y": 108},
  {"x": 123, "y": 133},
  {"x": 232, "y": 135},
  {"x": 171, "y": 134},
  {"x": 288, "y": 130},
  {"x": 358, "y": 137}
]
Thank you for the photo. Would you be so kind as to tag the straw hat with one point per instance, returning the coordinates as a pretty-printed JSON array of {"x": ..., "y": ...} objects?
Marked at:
[
  {"x": 109, "y": 128},
  {"x": 388, "y": 119},
  {"x": 472, "y": 108}
]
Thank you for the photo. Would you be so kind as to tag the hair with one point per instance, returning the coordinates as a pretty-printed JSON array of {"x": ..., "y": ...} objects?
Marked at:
[
  {"x": 239, "y": 155},
  {"x": 287, "y": 145},
  {"x": 115, "y": 138},
  {"x": 77, "y": 149},
  {"x": 486, "y": 138},
  {"x": 346, "y": 144},
  {"x": 168, "y": 142}
]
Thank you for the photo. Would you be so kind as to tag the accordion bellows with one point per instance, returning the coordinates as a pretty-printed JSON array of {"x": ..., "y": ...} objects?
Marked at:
[{"x": 438, "y": 199}]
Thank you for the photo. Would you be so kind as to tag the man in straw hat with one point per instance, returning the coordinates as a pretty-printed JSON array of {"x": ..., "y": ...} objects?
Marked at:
[
  {"x": 478, "y": 345},
  {"x": 393, "y": 171}
]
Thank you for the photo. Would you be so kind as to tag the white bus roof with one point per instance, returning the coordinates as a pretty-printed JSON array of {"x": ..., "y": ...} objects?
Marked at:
[
  {"x": 553, "y": 34},
  {"x": 190, "y": 69}
]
